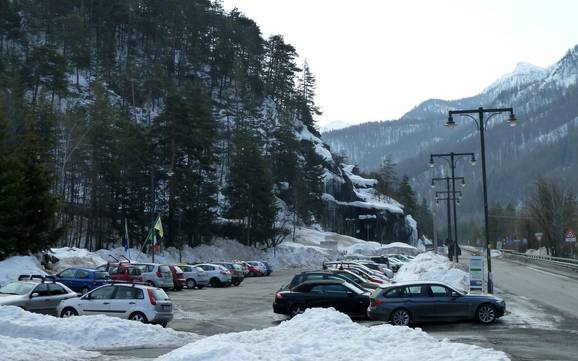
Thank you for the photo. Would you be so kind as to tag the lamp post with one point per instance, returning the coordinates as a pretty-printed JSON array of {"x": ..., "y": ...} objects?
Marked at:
[
  {"x": 448, "y": 199},
  {"x": 452, "y": 159},
  {"x": 481, "y": 126}
]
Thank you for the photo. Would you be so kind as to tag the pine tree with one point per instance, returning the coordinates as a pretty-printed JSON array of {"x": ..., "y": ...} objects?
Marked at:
[
  {"x": 406, "y": 196},
  {"x": 387, "y": 177}
]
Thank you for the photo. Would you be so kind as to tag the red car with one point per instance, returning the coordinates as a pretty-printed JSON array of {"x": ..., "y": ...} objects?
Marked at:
[
  {"x": 125, "y": 272},
  {"x": 253, "y": 271},
  {"x": 179, "y": 279}
]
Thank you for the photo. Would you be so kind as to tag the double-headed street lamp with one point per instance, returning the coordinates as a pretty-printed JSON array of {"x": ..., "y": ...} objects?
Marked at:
[
  {"x": 448, "y": 199},
  {"x": 481, "y": 125},
  {"x": 452, "y": 158}
]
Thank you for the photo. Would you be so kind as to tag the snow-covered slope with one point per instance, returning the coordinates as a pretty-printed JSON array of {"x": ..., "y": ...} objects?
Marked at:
[
  {"x": 523, "y": 75},
  {"x": 335, "y": 125}
]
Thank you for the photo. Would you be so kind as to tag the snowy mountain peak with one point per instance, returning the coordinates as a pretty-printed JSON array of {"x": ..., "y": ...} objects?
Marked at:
[
  {"x": 335, "y": 125},
  {"x": 523, "y": 74}
]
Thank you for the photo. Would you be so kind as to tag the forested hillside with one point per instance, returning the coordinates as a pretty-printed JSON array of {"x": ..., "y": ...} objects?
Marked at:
[{"x": 129, "y": 109}]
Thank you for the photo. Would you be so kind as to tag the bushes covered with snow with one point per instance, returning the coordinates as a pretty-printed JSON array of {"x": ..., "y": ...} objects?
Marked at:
[
  {"x": 325, "y": 334},
  {"x": 432, "y": 267}
]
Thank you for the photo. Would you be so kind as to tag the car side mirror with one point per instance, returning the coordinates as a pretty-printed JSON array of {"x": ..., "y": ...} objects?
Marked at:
[
  {"x": 455, "y": 294},
  {"x": 35, "y": 294},
  {"x": 350, "y": 294}
]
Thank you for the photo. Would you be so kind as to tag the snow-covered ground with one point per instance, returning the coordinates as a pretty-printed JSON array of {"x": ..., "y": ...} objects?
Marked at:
[
  {"x": 13, "y": 267},
  {"x": 87, "y": 332},
  {"x": 432, "y": 267},
  {"x": 542, "y": 251},
  {"x": 25, "y": 349},
  {"x": 325, "y": 334}
]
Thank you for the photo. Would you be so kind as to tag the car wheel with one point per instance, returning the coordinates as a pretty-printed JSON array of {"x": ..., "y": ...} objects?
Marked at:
[
  {"x": 150, "y": 283},
  {"x": 486, "y": 313},
  {"x": 84, "y": 290},
  {"x": 401, "y": 317},
  {"x": 215, "y": 282},
  {"x": 68, "y": 312},
  {"x": 297, "y": 310},
  {"x": 191, "y": 283},
  {"x": 139, "y": 317}
]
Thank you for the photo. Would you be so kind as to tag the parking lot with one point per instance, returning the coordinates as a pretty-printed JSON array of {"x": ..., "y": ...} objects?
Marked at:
[{"x": 527, "y": 332}]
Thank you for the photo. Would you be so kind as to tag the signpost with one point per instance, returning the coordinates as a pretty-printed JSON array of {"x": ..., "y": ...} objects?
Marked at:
[
  {"x": 570, "y": 236},
  {"x": 476, "y": 273},
  {"x": 539, "y": 236}
]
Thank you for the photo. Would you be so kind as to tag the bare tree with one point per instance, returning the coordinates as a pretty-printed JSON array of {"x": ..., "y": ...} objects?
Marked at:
[{"x": 553, "y": 207}]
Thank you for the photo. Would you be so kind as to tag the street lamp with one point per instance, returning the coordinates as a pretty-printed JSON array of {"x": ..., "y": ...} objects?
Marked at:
[
  {"x": 452, "y": 158},
  {"x": 481, "y": 125},
  {"x": 448, "y": 199}
]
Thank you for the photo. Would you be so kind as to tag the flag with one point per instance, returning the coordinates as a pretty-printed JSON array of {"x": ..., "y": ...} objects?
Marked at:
[
  {"x": 159, "y": 226},
  {"x": 125, "y": 236},
  {"x": 152, "y": 236}
]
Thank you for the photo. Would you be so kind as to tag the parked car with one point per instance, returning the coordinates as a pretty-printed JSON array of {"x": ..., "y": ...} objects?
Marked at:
[
  {"x": 356, "y": 279},
  {"x": 179, "y": 280},
  {"x": 195, "y": 276},
  {"x": 244, "y": 266},
  {"x": 326, "y": 275},
  {"x": 360, "y": 270},
  {"x": 125, "y": 272},
  {"x": 260, "y": 266},
  {"x": 237, "y": 275},
  {"x": 403, "y": 304},
  {"x": 134, "y": 302},
  {"x": 35, "y": 294},
  {"x": 156, "y": 275},
  {"x": 377, "y": 267},
  {"x": 268, "y": 268},
  {"x": 83, "y": 279},
  {"x": 219, "y": 276},
  {"x": 339, "y": 294},
  {"x": 254, "y": 271}
]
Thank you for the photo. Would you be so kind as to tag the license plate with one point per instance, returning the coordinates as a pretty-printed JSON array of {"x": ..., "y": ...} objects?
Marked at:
[{"x": 167, "y": 307}]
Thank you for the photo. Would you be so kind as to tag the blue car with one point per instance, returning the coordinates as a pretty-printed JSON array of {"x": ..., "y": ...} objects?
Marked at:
[
  {"x": 268, "y": 268},
  {"x": 83, "y": 280}
]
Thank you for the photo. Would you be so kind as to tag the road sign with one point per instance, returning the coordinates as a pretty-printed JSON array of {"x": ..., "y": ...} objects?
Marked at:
[
  {"x": 476, "y": 273},
  {"x": 570, "y": 236},
  {"x": 539, "y": 236}
]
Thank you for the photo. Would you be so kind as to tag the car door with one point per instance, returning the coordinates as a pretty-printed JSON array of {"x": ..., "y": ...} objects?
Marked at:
[
  {"x": 56, "y": 293},
  {"x": 98, "y": 301},
  {"x": 82, "y": 279},
  {"x": 123, "y": 301},
  {"x": 40, "y": 300},
  {"x": 67, "y": 277},
  {"x": 337, "y": 296},
  {"x": 448, "y": 307},
  {"x": 419, "y": 302}
]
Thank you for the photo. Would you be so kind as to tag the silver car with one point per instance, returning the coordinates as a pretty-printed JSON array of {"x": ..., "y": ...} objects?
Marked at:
[
  {"x": 156, "y": 275},
  {"x": 195, "y": 276},
  {"x": 35, "y": 295}
]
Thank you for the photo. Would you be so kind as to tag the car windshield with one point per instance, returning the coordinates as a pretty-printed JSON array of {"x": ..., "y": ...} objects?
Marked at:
[
  {"x": 17, "y": 288},
  {"x": 99, "y": 275},
  {"x": 354, "y": 288}
]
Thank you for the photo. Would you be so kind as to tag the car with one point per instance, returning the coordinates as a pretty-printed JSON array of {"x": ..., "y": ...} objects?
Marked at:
[
  {"x": 253, "y": 271},
  {"x": 156, "y": 275},
  {"x": 359, "y": 269},
  {"x": 325, "y": 275},
  {"x": 195, "y": 276},
  {"x": 179, "y": 280},
  {"x": 36, "y": 293},
  {"x": 377, "y": 267},
  {"x": 260, "y": 266},
  {"x": 339, "y": 294},
  {"x": 133, "y": 302},
  {"x": 83, "y": 279},
  {"x": 125, "y": 272},
  {"x": 404, "y": 304},
  {"x": 356, "y": 279},
  {"x": 268, "y": 268},
  {"x": 219, "y": 276},
  {"x": 237, "y": 275}
]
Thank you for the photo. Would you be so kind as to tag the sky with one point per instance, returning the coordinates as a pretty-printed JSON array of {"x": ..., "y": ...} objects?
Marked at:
[{"x": 377, "y": 59}]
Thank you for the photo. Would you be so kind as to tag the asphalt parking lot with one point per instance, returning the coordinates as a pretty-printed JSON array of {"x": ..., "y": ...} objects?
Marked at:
[{"x": 528, "y": 331}]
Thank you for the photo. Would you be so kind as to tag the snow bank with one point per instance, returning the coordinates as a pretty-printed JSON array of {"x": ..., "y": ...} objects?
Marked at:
[
  {"x": 542, "y": 251},
  {"x": 75, "y": 257},
  {"x": 13, "y": 267},
  {"x": 24, "y": 349},
  {"x": 87, "y": 332},
  {"x": 432, "y": 267},
  {"x": 325, "y": 334}
]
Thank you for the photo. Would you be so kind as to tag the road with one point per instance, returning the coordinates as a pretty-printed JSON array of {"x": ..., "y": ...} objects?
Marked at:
[{"x": 540, "y": 325}]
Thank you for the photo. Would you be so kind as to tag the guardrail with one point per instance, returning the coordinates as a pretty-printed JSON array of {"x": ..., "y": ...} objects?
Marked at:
[{"x": 569, "y": 263}]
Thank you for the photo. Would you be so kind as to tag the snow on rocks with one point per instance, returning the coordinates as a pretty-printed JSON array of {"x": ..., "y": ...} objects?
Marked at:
[
  {"x": 87, "y": 332},
  {"x": 432, "y": 267},
  {"x": 25, "y": 349},
  {"x": 325, "y": 334},
  {"x": 75, "y": 257},
  {"x": 13, "y": 267}
]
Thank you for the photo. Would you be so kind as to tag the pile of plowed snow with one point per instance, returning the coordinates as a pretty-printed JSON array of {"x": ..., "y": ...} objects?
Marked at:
[
  {"x": 13, "y": 267},
  {"x": 325, "y": 334},
  {"x": 432, "y": 267}
]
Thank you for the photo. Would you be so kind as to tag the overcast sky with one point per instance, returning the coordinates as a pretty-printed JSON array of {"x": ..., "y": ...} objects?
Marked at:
[{"x": 376, "y": 59}]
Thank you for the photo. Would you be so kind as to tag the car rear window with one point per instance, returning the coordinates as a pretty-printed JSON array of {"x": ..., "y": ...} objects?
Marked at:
[
  {"x": 101, "y": 275},
  {"x": 394, "y": 293},
  {"x": 164, "y": 269},
  {"x": 160, "y": 295}
]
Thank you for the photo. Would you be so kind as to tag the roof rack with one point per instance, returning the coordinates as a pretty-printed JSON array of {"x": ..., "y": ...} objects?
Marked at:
[{"x": 39, "y": 277}]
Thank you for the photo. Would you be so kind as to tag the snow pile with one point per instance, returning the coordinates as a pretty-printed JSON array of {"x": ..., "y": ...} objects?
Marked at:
[
  {"x": 432, "y": 267},
  {"x": 542, "y": 251},
  {"x": 24, "y": 349},
  {"x": 496, "y": 253},
  {"x": 13, "y": 267},
  {"x": 325, "y": 334},
  {"x": 87, "y": 332},
  {"x": 75, "y": 257}
]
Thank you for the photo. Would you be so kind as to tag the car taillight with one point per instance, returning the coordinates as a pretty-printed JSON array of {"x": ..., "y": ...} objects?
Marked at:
[
  {"x": 375, "y": 302},
  {"x": 278, "y": 296},
  {"x": 151, "y": 297},
  {"x": 159, "y": 274}
]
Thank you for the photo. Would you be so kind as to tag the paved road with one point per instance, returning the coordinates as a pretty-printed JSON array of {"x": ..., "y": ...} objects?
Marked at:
[{"x": 540, "y": 325}]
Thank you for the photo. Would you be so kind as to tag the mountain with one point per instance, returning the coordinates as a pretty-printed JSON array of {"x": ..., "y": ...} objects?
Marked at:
[
  {"x": 335, "y": 125},
  {"x": 543, "y": 144}
]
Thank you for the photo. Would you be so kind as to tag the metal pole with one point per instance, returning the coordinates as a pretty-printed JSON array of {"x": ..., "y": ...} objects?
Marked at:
[
  {"x": 453, "y": 166},
  {"x": 449, "y": 214},
  {"x": 435, "y": 232},
  {"x": 488, "y": 252}
]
